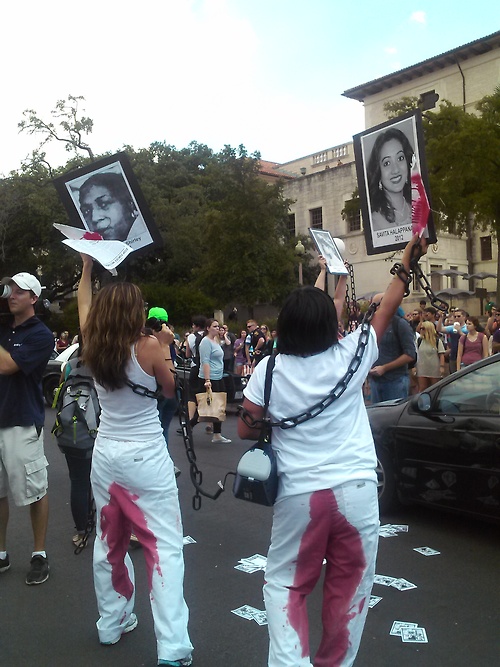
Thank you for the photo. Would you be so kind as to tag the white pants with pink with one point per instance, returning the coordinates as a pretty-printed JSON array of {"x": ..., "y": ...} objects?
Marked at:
[
  {"x": 135, "y": 492},
  {"x": 340, "y": 525}
]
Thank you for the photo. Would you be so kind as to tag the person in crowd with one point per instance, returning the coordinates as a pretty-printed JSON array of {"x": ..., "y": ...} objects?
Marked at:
[
  {"x": 109, "y": 209},
  {"x": 79, "y": 465},
  {"x": 132, "y": 475},
  {"x": 389, "y": 180},
  {"x": 158, "y": 317},
  {"x": 415, "y": 318},
  {"x": 254, "y": 345},
  {"x": 227, "y": 339},
  {"x": 453, "y": 331},
  {"x": 239, "y": 353},
  {"x": 472, "y": 346},
  {"x": 25, "y": 347},
  {"x": 212, "y": 370},
  {"x": 268, "y": 345},
  {"x": 62, "y": 342},
  {"x": 491, "y": 324},
  {"x": 192, "y": 352},
  {"x": 495, "y": 342},
  {"x": 327, "y": 497},
  {"x": 397, "y": 350},
  {"x": 339, "y": 294},
  {"x": 430, "y": 357}
]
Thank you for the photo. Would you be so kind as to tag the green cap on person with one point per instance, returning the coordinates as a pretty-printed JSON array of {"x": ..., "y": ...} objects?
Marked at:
[{"x": 159, "y": 313}]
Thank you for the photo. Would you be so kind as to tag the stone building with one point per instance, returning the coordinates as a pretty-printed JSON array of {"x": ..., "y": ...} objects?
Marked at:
[{"x": 322, "y": 183}]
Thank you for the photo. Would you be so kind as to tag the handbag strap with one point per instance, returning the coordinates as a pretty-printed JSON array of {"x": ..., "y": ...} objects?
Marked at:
[{"x": 268, "y": 382}]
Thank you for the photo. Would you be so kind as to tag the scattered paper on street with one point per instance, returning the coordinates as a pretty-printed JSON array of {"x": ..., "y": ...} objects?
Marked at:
[
  {"x": 188, "y": 540},
  {"x": 426, "y": 551},
  {"x": 397, "y": 626},
  {"x": 374, "y": 599},
  {"x": 414, "y": 635},
  {"x": 252, "y": 564},
  {"x": 391, "y": 530},
  {"x": 251, "y": 614},
  {"x": 402, "y": 584},
  {"x": 383, "y": 580}
]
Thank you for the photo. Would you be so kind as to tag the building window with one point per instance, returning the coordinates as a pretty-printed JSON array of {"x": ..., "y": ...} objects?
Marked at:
[
  {"x": 316, "y": 218},
  {"x": 320, "y": 158},
  {"x": 352, "y": 214},
  {"x": 291, "y": 224},
  {"x": 453, "y": 279},
  {"x": 436, "y": 279},
  {"x": 486, "y": 252}
]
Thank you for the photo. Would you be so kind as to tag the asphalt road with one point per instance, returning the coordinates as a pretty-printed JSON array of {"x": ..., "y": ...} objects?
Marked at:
[{"x": 457, "y": 599}]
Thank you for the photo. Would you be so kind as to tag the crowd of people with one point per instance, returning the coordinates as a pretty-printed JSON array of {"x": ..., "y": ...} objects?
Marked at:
[{"x": 327, "y": 499}]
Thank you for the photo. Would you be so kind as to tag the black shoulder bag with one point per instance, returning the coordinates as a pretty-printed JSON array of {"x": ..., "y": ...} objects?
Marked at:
[{"x": 256, "y": 478}]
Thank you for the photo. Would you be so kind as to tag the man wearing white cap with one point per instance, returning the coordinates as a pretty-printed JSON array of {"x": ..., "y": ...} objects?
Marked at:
[{"x": 25, "y": 347}]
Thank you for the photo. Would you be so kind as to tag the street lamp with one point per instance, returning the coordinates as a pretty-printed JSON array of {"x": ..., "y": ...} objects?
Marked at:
[{"x": 299, "y": 251}]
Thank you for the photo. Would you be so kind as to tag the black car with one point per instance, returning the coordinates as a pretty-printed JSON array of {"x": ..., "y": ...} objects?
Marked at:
[{"x": 441, "y": 448}]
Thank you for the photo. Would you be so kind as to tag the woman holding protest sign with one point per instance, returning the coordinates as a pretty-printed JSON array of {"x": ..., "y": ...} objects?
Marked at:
[{"x": 133, "y": 479}]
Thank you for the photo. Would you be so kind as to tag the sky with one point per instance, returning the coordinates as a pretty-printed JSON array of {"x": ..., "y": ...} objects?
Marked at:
[{"x": 268, "y": 74}]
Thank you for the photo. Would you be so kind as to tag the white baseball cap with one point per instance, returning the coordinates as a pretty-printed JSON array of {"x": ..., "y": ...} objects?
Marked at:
[{"x": 25, "y": 281}]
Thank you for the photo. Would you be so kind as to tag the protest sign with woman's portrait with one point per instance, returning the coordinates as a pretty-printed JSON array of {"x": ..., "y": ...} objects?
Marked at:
[
  {"x": 106, "y": 198},
  {"x": 392, "y": 181}
]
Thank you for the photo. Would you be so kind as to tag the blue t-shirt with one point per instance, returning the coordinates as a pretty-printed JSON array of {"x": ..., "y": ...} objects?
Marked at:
[
  {"x": 212, "y": 354},
  {"x": 21, "y": 399}
]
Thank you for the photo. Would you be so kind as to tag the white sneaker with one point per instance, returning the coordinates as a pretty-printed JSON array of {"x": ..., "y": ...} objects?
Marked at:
[
  {"x": 221, "y": 438},
  {"x": 131, "y": 625}
]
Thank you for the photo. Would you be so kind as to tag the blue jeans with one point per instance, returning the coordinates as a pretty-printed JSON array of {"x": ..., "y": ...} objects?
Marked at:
[
  {"x": 166, "y": 410},
  {"x": 383, "y": 390}
]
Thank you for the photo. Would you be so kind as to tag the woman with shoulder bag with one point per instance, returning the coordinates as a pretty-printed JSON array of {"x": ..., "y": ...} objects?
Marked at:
[
  {"x": 132, "y": 475},
  {"x": 210, "y": 376},
  {"x": 472, "y": 346},
  {"x": 327, "y": 505}
]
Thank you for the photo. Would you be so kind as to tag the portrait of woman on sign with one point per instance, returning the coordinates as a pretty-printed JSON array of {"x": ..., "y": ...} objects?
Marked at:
[
  {"x": 105, "y": 198},
  {"x": 392, "y": 184}
]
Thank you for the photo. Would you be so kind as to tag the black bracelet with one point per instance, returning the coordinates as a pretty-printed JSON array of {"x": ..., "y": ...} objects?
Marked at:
[{"x": 399, "y": 270}]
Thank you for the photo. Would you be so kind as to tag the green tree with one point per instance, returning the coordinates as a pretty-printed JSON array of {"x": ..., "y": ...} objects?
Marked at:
[
  {"x": 463, "y": 157},
  {"x": 247, "y": 257}
]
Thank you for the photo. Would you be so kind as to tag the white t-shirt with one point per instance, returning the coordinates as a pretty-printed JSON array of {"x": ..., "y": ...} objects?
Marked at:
[{"x": 334, "y": 447}]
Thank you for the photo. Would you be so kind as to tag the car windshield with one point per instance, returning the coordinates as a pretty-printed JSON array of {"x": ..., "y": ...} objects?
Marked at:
[{"x": 477, "y": 392}]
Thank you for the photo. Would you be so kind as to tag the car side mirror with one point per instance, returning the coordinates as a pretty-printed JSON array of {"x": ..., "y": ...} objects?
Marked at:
[{"x": 424, "y": 402}]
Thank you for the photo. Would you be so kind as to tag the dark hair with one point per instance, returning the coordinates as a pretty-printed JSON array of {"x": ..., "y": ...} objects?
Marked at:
[
  {"x": 307, "y": 323},
  {"x": 378, "y": 198},
  {"x": 199, "y": 321},
  {"x": 431, "y": 310},
  {"x": 474, "y": 321}
]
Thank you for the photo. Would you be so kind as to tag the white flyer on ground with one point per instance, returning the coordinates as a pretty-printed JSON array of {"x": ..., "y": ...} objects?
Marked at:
[
  {"x": 426, "y": 551},
  {"x": 108, "y": 253},
  {"x": 414, "y": 635},
  {"x": 397, "y": 626},
  {"x": 374, "y": 599}
]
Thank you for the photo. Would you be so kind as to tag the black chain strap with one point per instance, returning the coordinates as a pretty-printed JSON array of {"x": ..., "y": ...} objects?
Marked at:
[
  {"x": 416, "y": 271},
  {"x": 337, "y": 391},
  {"x": 350, "y": 299},
  {"x": 187, "y": 435}
]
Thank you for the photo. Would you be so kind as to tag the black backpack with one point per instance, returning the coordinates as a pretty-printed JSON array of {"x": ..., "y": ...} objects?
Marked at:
[{"x": 77, "y": 412}]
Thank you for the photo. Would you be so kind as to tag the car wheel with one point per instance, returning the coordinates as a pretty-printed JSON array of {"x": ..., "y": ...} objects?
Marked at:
[
  {"x": 49, "y": 389},
  {"x": 386, "y": 484}
]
